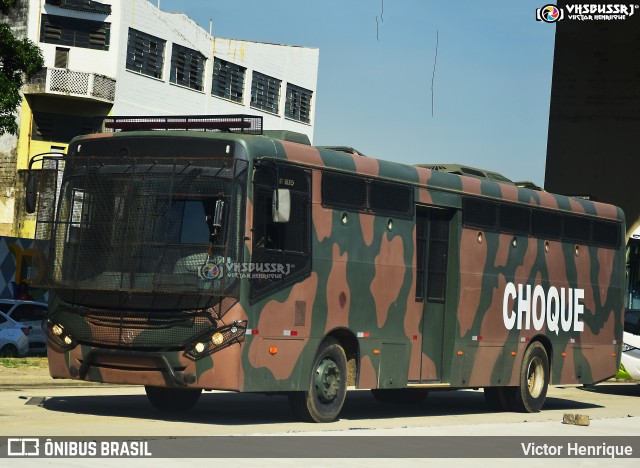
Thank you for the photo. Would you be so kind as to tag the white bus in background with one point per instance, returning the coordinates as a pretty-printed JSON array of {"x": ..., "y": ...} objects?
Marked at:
[{"x": 630, "y": 363}]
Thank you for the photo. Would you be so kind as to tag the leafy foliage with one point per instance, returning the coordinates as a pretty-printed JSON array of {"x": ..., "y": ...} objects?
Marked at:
[
  {"x": 18, "y": 58},
  {"x": 6, "y": 5},
  {"x": 24, "y": 362}
]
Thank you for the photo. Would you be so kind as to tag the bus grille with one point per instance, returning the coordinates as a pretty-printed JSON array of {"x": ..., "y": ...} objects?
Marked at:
[{"x": 134, "y": 330}]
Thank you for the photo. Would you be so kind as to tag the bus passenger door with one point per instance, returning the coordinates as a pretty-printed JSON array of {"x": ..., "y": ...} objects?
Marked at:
[{"x": 432, "y": 250}]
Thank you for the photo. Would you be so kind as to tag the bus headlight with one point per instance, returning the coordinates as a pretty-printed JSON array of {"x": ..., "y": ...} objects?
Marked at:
[
  {"x": 59, "y": 338},
  {"x": 223, "y": 337},
  {"x": 217, "y": 339}
]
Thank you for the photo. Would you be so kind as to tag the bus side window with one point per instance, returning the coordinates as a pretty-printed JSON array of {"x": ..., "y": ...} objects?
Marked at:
[{"x": 281, "y": 251}]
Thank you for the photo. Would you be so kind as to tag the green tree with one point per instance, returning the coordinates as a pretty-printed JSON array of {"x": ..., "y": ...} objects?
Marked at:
[{"x": 19, "y": 58}]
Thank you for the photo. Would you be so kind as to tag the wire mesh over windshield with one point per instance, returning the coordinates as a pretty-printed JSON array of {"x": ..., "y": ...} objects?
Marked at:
[{"x": 144, "y": 227}]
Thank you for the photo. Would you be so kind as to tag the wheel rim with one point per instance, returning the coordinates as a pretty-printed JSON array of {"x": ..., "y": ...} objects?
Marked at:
[
  {"x": 535, "y": 377},
  {"x": 327, "y": 380}
]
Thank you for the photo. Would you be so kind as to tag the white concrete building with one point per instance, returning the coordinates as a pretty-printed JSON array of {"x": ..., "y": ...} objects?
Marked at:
[{"x": 127, "y": 57}]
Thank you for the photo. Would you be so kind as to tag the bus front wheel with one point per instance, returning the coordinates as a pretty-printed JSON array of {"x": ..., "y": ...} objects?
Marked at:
[
  {"x": 173, "y": 399},
  {"x": 327, "y": 390},
  {"x": 534, "y": 380}
]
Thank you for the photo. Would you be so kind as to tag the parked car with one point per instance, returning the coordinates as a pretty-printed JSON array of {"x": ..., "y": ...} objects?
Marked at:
[
  {"x": 630, "y": 363},
  {"x": 13, "y": 337},
  {"x": 31, "y": 314}
]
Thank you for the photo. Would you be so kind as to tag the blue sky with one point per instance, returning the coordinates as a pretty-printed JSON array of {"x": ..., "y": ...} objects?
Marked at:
[{"x": 492, "y": 79}]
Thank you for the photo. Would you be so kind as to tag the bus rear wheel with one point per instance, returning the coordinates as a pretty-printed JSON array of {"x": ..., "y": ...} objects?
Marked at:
[
  {"x": 327, "y": 390},
  {"x": 173, "y": 399},
  {"x": 534, "y": 380}
]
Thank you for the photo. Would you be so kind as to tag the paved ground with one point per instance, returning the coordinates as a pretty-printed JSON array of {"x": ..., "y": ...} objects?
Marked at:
[
  {"x": 33, "y": 404},
  {"x": 28, "y": 377}
]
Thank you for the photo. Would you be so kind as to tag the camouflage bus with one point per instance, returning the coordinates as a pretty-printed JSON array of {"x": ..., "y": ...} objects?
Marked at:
[{"x": 247, "y": 260}]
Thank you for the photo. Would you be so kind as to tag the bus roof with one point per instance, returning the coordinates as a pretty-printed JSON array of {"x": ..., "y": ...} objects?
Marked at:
[{"x": 448, "y": 178}]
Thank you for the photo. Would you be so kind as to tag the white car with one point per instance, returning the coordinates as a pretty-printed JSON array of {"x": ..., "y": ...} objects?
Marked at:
[
  {"x": 630, "y": 362},
  {"x": 32, "y": 314},
  {"x": 13, "y": 337}
]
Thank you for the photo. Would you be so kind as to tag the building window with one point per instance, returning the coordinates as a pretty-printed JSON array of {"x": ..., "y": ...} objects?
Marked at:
[
  {"x": 75, "y": 32},
  {"x": 145, "y": 53},
  {"x": 187, "y": 67},
  {"x": 62, "y": 128},
  {"x": 89, "y": 6},
  {"x": 298, "y": 103},
  {"x": 228, "y": 80},
  {"x": 62, "y": 58},
  {"x": 265, "y": 92}
]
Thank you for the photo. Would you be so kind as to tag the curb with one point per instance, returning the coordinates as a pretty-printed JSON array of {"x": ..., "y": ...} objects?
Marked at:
[{"x": 15, "y": 378}]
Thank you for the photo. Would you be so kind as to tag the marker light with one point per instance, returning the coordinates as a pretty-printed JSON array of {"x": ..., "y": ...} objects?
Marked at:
[
  {"x": 67, "y": 340},
  {"x": 199, "y": 347},
  {"x": 217, "y": 338}
]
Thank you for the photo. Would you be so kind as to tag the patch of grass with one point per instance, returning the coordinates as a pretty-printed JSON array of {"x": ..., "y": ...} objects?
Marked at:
[{"x": 24, "y": 362}]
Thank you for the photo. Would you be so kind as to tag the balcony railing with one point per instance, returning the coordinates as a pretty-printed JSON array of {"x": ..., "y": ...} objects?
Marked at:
[{"x": 72, "y": 83}]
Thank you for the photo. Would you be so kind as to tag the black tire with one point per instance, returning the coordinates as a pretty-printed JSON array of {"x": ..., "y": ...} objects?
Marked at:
[
  {"x": 499, "y": 398},
  {"x": 9, "y": 351},
  {"x": 409, "y": 396},
  {"x": 327, "y": 389},
  {"x": 173, "y": 399},
  {"x": 534, "y": 380}
]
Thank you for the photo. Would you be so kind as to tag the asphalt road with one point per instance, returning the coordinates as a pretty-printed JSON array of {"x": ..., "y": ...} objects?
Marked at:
[{"x": 613, "y": 409}]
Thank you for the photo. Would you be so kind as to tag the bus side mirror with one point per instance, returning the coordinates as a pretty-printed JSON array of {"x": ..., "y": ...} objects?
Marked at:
[
  {"x": 31, "y": 193},
  {"x": 281, "y": 208}
]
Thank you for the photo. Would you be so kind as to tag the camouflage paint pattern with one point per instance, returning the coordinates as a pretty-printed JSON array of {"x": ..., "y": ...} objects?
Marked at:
[{"x": 362, "y": 290}]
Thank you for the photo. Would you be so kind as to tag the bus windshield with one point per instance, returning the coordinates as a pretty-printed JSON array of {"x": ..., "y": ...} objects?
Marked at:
[{"x": 146, "y": 227}]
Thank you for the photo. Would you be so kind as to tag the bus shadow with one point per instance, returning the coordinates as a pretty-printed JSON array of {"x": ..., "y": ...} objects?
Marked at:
[
  {"x": 630, "y": 388},
  {"x": 257, "y": 409},
  {"x": 446, "y": 403}
]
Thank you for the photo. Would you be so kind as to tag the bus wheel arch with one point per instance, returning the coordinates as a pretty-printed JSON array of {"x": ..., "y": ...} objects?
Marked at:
[
  {"x": 349, "y": 344},
  {"x": 548, "y": 347},
  {"x": 326, "y": 390},
  {"x": 534, "y": 378}
]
